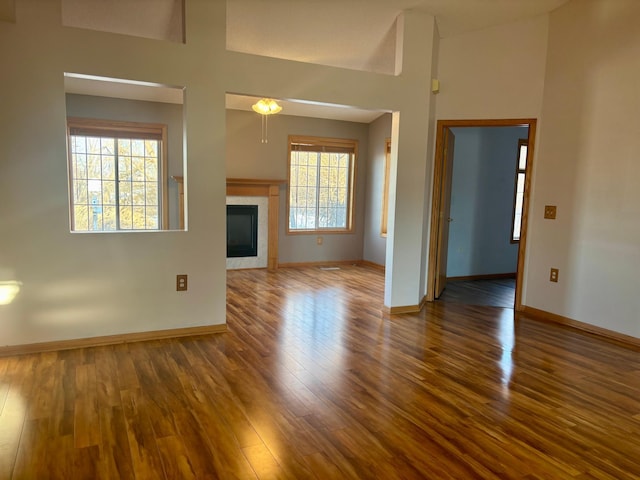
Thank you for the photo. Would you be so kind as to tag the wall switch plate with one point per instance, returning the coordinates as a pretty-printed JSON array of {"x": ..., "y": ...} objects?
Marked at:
[
  {"x": 550, "y": 212},
  {"x": 319, "y": 240},
  {"x": 553, "y": 276},
  {"x": 181, "y": 283}
]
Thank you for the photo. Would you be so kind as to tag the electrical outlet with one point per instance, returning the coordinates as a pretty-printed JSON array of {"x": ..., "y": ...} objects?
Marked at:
[
  {"x": 319, "y": 240},
  {"x": 181, "y": 283},
  {"x": 550, "y": 212},
  {"x": 553, "y": 276}
]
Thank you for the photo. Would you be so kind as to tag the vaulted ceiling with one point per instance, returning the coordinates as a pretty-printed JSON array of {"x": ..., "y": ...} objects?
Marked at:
[
  {"x": 357, "y": 34},
  {"x": 354, "y": 34}
]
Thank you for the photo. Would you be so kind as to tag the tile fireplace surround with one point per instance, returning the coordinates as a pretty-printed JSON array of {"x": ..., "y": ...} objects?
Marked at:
[{"x": 245, "y": 187}]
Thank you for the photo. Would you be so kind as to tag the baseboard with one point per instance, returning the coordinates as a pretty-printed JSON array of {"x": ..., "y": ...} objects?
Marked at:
[
  {"x": 488, "y": 276},
  {"x": 374, "y": 266},
  {"x": 585, "y": 327},
  {"x": 329, "y": 263},
  {"x": 406, "y": 308},
  {"x": 109, "y": 340}
]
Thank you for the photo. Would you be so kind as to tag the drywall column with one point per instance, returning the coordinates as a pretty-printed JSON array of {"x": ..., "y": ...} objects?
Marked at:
[
  {"x": 407, "y": 223},
  {"x": 80, "y": 285}
]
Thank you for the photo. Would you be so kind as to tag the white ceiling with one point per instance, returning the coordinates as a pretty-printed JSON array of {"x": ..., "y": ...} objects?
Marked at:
[
  {"x": 299, "y": 108},
  {"x": 355, "y": 34}
]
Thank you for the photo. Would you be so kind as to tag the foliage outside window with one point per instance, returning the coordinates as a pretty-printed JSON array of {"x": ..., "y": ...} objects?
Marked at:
[
  {"x": 321, "y": 184},
  {"x": 117, "y": 175},
  {"x": 521, "y": 172},
  {"x": 385, "y": 189}
]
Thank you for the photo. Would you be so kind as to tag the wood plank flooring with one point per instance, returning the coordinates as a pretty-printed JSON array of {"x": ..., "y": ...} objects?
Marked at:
[
  {"x": 491, "y": 293},
  {"x": 313, "y": 381}
]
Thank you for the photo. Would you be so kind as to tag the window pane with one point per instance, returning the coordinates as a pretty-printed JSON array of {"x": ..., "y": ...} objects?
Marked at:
[
  {"x": 137, "y": 148},
  {"x": 139, "y": 221},
  {"x": 124, "y": 147},
  {"x": 109, "y": 218},
  {"x": 108, "y": 167},
  {"x": 80, "y": 164},
  {"x": 108, "y": 146},
  {"x": 152, "y": 217},
  {"x": 520, "y": 186},
  {"x": 79, "y": 144},
  {"x": 124, "y": 168},
  {"x": 138, "y": 193},
  {"x": 137, "y": 168},
  {"x": 109, "y": 193},
  {"x": 93, "y": 145},
  {"x": 522, "y": 158},
  {"x": 80, "y": 192},
  {"x": 151, "y": 148},
  {"x": 517, "y": 224},
  {"x": 81, "y": 217},
  {"x": 126, "y": 217},
  {"x": 109, "y": 176},
  {"x": 152, "y": 194},
  {"x": 318, "y": 187},
  {"x": 125, "y": 193},
  {"x": 95, "y": 217},
  {"x": 151, "y": 169},
  {"x": 94, "y": 167}
]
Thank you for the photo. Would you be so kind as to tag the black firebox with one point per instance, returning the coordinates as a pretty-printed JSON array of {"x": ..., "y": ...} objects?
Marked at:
[{"x": 242, "y": 230}]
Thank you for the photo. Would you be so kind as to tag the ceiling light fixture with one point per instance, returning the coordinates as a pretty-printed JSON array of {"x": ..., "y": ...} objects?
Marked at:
[
  {"x": 266, "y": 107},
  {"x": 8, "y": 291}
]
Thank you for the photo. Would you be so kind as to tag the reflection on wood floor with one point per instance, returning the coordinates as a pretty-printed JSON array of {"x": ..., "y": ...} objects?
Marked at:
[
  {"x": 493, "y": 293},
  {"x": 313, "y": 381}
]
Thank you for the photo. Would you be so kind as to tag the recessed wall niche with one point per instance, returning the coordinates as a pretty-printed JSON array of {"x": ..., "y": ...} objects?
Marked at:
[
  {"x": 124, "y": 182},
  {"x": 157, "y": 19}
]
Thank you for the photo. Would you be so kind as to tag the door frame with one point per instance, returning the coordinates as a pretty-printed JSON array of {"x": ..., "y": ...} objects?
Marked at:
[{"x": 437, "y": 192}]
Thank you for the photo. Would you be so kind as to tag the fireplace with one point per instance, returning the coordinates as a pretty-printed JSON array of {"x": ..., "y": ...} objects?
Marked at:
[
  {"x": 265, "y": 194},
  {"x": 242, "y": 231}
]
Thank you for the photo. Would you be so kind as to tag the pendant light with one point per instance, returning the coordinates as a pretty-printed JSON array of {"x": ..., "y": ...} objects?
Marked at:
[{"x": 266, "y": 107}]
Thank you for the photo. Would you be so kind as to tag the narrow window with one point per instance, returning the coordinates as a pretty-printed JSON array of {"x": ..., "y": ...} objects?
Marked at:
[
  {"x": 385, "y": 189},
  {"x": 117, "y": 174},
  {"x": 518, "y": 200},
  {"x": 321, "y": 180}
]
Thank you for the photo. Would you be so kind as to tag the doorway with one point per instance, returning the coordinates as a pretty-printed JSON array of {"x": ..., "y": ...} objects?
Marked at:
[{"x": 441, "y": 204}]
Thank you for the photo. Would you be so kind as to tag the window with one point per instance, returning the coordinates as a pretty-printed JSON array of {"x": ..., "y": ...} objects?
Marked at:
[
  {"x": 385, "y": 189},
  {"x": 521, "y": 172},
  {"x": 321, "y": 179},
  {"x": 117, "y": 175}
]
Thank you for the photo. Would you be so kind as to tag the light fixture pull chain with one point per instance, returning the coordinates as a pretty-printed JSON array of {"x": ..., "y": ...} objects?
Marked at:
[
  {"x": 264, "y": 129},
  {"x": 266, "y": 107}
]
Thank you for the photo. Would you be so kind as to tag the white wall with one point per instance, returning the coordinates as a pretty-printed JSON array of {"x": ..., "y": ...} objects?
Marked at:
[
  {"x": 169, "y": 114},
  {"x": 83, "y": 285},
  {"x": 587, "y": 165},
  {"x": 7, "y": 11},
  {"x": 496, "y": 72},
  {"x": 374, "y": 248},
  {"x": 247, "y": 157},
  {"x": 79, "y": 285},
  {"x": 484, "y": 166}
]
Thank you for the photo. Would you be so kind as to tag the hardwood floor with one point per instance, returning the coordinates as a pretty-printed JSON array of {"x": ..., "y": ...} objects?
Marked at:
[
  {"x": 491, "y": 293},
  {"x": 312, "y": 381}
]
